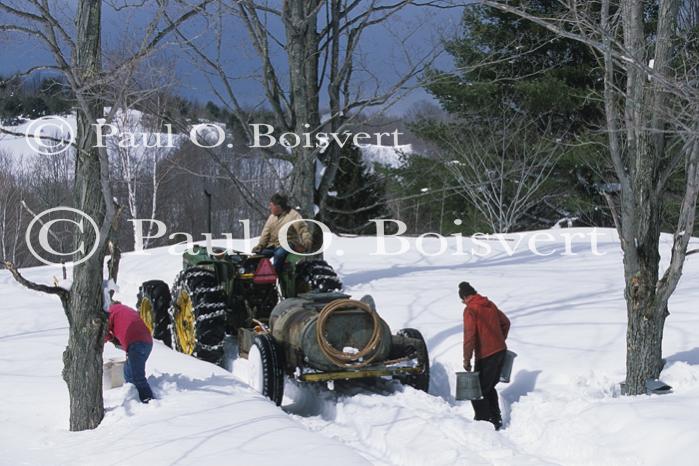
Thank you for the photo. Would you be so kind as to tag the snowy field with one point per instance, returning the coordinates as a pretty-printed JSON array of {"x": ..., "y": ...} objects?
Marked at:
[{"x": 562, "y": 407}]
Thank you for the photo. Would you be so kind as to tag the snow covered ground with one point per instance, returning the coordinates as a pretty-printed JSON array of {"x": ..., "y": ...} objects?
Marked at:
[
  {"x": 23, "y": 150},
  {"x": 562, "y": 407}
]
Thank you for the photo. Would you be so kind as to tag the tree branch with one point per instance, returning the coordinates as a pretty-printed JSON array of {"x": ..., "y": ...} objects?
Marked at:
[{"x": 57, "y": 290}]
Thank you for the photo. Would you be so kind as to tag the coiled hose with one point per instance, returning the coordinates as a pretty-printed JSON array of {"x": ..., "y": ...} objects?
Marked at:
[{"x": 338, "y": 357}]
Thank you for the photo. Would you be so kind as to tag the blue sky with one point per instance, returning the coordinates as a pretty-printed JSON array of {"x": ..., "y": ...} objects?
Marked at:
[{"x": 380, "y": 49}]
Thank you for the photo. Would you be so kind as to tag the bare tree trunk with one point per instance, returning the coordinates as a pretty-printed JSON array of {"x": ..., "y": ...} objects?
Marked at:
[
  {"x": 302, "y": 51},
  {"x": 83, "y": 357},
  {"x": 642, "y": 205},
  {"x": 640, "y": 120},
  {"x": 644, "y": 340},
  {"x": 646, "y": 317},
  {"x": 338, "y": 74}
]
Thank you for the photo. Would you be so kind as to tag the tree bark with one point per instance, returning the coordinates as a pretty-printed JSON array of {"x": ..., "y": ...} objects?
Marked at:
[
  {"x": 83, "y": 357},
  {"x": 300, "y": 19},
  {"x": 644, "y": 332},
  {"x": 644, "y": 341}
]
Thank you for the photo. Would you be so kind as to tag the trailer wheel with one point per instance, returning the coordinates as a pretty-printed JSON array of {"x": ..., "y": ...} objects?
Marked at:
[
  {"x": 419, "y": 381},
  {"x": 266, "y": 375},
  {"x": 153, "y": 304},
  {"x": 198, "y": 314},
  {"x": 316, "y": 275}
]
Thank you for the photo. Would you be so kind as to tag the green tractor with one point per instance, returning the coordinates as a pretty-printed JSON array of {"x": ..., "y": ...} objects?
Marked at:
[
  {"x": 220, "y": 292},
  {"x": 316, "y": 334}
]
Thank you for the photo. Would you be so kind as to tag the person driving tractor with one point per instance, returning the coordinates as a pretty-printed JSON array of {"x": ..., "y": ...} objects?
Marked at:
[{"x": 299, "y": 236}]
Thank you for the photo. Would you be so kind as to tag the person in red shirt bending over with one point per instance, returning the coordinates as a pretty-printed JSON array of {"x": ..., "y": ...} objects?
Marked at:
[
  {"x": 485, "y": 331},
  {"x": 127, "y": 330}
]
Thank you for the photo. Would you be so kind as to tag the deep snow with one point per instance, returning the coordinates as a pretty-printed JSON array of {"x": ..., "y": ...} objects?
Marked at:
[{"x": 562, "y": 407}]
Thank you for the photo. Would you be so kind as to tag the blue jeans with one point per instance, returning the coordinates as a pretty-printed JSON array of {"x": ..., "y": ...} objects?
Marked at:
[
  {"x": 135, "y": 368},
  {"x": 279, "y": 254}
]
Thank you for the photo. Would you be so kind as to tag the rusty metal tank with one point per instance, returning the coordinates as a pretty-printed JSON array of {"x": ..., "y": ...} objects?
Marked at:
[{"x": 351, "y": 334}]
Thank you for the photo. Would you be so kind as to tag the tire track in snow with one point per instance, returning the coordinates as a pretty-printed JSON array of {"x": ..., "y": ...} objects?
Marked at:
[{"x": 406, "y": 427}]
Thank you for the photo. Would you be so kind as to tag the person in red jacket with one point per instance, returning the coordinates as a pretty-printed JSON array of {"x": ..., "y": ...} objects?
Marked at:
[
  {"x": 485, "y": 331},
  {"x": 127, "y": 330}
]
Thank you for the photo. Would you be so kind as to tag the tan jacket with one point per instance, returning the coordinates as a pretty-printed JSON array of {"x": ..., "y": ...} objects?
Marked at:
[{"x": 297, "y": 234}]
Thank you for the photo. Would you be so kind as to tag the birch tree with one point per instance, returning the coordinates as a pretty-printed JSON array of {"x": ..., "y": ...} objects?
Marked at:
[
  {"x": 139, "y": 159},
  {"x": 12, "y": 217}
]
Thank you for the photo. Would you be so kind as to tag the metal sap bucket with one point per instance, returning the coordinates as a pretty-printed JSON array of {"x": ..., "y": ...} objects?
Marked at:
[
  {"x": 653, "y": 387},
  {"x": 468, "y": 386},
  {"x": 506, "y": 371},
  {"x": 113, "y": 374}
]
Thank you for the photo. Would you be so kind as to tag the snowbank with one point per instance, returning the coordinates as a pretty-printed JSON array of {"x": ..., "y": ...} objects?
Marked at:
[
  {"x": 203, "y": 414},
  {"x": 562, "y": 407}
]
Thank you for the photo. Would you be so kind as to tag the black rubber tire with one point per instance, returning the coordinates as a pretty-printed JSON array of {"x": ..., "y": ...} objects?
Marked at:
[
  {"x": 209, "y": 308},
  {"x": 316, "y": 275},
  {"x": 272, "y": 367},
  {"x": 158, "y": 293},
  {"x": 418, "y": 381}
]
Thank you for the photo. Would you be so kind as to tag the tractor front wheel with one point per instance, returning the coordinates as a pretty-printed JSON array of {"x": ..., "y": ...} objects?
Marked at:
[
  {"x": 419, "y": 381},
  {"x": 265, "y": 368}
]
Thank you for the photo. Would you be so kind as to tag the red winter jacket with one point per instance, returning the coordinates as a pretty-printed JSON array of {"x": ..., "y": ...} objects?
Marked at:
[
  {"x": 126, "y": 327},
  {"x": 485, "y": 328}
]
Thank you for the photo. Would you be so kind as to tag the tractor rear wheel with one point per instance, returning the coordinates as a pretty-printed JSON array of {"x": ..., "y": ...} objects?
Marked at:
[
  {"x": 265, "y": 368},
  {"x": 198, "y": 314},
  {"x": 316, "y": 275},
  {"x": 419, "y": 381},
  {"x": 153, "y": 304}
]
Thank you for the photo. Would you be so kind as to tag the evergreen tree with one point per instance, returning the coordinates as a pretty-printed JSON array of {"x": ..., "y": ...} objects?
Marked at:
[
  {"x": 506, "y": 66},
  {"x": 423, "y": 198},
  {"x": 20, "y": 99},
  {"x": 506, "y": 62},
  {"x": 357, "y": 196}
]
